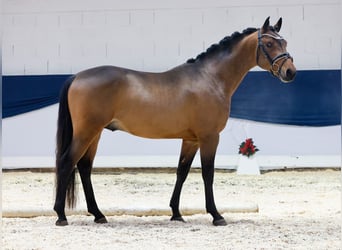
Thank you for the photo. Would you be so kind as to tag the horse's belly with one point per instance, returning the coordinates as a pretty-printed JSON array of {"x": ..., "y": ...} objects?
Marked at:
[{"x": 148, "y": 128}]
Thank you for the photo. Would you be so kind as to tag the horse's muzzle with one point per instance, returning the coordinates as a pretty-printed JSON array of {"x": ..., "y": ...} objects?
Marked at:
[
  {"x": 289, "y": 76},
  {"x": 287, "y": 71}
]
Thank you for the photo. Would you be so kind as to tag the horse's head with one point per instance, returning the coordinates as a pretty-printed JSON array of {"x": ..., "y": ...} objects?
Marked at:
[{"x": 272, "y": 54}]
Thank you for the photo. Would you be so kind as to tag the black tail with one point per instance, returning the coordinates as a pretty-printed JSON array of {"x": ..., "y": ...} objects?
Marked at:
[{"x": 64, "y": 138}]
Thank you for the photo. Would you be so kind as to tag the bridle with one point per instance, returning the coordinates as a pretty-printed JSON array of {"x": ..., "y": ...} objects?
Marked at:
[{"x": 275, "y": 67}]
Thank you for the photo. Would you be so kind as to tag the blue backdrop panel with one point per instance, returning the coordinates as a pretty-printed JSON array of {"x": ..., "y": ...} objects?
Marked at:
[
  {"x": 313, "y": 99},
  {"x": 21, "y": 94}
]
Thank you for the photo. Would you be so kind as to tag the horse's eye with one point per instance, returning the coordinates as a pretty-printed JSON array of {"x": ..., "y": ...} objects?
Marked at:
[{"x": 269, "y": 45}]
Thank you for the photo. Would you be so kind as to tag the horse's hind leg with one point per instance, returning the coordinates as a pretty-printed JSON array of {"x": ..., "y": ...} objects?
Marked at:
[
  {"x": 208, "y": 146},
  {"x": 64, "y": 175},
  {"x": 188, "y": 151},
  {"x": 84, "y": 166}
]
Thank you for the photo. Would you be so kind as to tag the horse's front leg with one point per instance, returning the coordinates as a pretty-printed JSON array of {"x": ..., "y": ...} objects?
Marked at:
[
  {"x": 208, "y": 146},
  {"x": 188, "y": 151}
]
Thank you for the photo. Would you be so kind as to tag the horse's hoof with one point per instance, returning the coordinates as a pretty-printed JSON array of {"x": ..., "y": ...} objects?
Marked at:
[
  {"x": 177, "y": 218},
  {"x": 62, "y": 223},
  {"x": 220, "y": 222},
  {"x": 102, "y": 220}
]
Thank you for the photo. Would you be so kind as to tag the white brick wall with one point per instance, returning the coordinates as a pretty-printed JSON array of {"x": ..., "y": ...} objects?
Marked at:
[{"x": 50, "y": 36}]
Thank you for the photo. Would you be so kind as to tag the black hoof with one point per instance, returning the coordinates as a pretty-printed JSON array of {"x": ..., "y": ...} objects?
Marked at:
[
  {"x": 61, "y": 222},
  {"x": 177, "y": 218},
  {"x": 220, "y": 222},
  {"x": 102, "y": 220}
]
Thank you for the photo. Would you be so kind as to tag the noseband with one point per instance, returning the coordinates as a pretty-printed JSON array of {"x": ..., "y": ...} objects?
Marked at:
[{"x": 275, "y": 67}]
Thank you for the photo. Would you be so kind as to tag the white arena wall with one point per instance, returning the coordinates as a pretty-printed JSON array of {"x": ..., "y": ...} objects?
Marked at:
[{"x": 64, "y": 37}]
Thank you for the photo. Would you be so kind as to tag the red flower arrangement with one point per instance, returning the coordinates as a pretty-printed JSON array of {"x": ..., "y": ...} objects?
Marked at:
[{"x": 248, "y": 148}]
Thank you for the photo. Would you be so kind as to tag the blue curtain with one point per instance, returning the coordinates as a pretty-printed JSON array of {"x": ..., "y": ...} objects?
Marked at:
[
  {"x": 21, "y": 94},
  {"x": 313, "y": 99}
]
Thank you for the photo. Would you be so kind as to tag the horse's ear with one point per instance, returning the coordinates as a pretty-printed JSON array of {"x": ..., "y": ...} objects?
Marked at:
[
  {"x": 277, "y": 26},
  {"x": 266, "y": 25}
]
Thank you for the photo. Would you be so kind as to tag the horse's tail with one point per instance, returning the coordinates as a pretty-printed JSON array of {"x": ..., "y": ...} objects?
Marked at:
[{"x": 64, "y": 138}]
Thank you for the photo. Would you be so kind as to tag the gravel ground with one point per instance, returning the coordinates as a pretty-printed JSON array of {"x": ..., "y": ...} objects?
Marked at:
[{"x": 297, "y": 210}]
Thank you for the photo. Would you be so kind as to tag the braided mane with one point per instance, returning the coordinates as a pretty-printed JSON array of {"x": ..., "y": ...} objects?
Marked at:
[{"x": 226, "y": 44}]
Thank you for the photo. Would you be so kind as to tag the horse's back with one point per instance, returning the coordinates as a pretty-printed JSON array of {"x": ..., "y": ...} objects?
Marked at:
[{"x": 119, "y": 85}]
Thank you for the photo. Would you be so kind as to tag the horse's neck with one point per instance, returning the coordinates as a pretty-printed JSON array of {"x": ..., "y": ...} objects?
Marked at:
[{"x": 231, "y": 69}]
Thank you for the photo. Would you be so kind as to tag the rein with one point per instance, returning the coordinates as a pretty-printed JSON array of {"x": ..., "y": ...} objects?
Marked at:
[{"x": 275, "y": 67}]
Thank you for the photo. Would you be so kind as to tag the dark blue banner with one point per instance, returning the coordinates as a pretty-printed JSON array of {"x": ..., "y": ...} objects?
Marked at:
[
  {"x": 312, "y": 99},
  {"x": 21, "y": 94}
]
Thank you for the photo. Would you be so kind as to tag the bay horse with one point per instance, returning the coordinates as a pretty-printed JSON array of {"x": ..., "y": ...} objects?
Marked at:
[{"x": 190, "y": 102}]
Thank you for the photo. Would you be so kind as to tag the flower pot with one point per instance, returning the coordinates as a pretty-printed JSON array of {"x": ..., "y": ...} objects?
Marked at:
[{"x": 248, "y": 165}]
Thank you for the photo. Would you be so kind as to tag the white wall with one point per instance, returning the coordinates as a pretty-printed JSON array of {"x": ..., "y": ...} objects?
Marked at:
[{"x": 52, "y": 37}]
